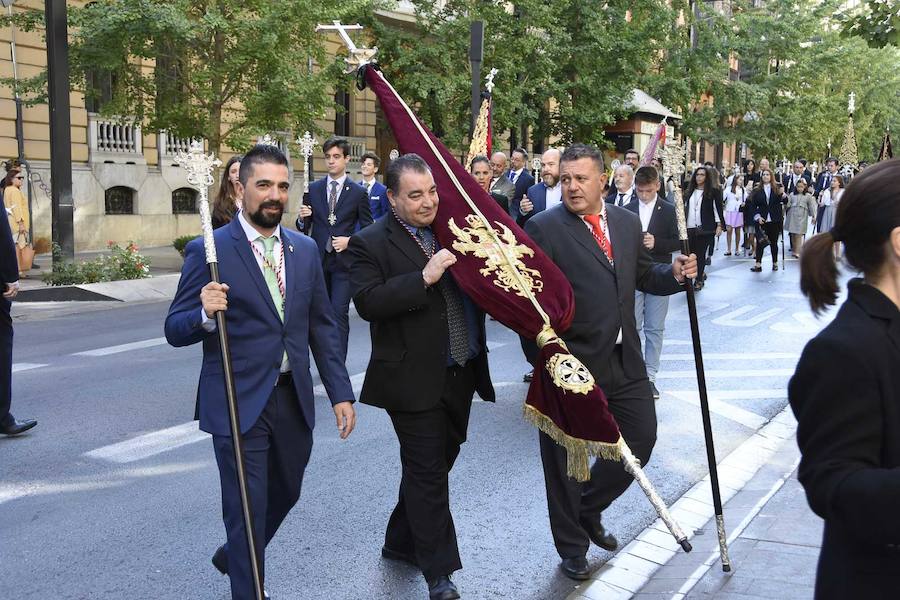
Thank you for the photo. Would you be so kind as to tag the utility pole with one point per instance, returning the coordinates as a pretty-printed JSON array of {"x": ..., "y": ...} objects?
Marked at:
[
  {"x": 476, "y": 57},
  {"x": 62, "y": 207}
]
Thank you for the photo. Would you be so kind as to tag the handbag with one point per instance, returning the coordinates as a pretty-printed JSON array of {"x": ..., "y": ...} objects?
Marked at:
[{"x": 24, "y": 253}]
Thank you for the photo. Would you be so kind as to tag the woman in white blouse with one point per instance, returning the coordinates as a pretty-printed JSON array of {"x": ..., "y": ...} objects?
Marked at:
[
  {"x": 829, "y": 199},
  {"x": 735, "y": 199}
]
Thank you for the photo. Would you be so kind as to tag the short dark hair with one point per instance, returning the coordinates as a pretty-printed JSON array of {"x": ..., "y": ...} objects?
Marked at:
[
  {"x": 631, "y": 151},
  {"x": 400, "y": 165},
  {"x": 522, "y": 152},
  {"x": 831, "y": 159},
  {"x": 372, "y": 156},
  {"x": 579, "y": 151},
  {"x": 479, "y": 159},
  {"x": 337, "y": 142},
  {"x": 646, "y": 175},
  {"x": 259, "y": 154},
  {"x": 802, "y": 161}
]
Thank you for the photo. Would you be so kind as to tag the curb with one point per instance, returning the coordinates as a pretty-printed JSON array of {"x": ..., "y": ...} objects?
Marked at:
[
  {"x": 161, "y": 287},
  {"x": 633, "y": 566}
]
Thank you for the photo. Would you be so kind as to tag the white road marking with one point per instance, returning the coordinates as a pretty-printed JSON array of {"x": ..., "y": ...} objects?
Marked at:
[
  {"x": 150, "y": 444},
  {"x": 123, "y": 347},
  {"x": 731, "y": 412},
  {"x": 18, "y": 367},
  {"x": 668, "y": 342},
  {"x": 729, "y": 373},
  {"x": 803, "y": 323},
  {"x": 734, "y": 318},
  {"x": 733, "y": 356},
  {"x": 355, "y": 380},
  {"x": 494, "y": 345},
  {"x": 702, "y": 310}
]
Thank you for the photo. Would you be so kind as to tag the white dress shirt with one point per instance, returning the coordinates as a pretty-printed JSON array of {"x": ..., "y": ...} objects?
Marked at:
[
  {"x": 625, "y": 196},
  {"x": 693, "y": 213},
  {"x": 340, "y": 188},
  {"x": 516, "y": 174},
  {"x": 252, "y": 234},
  {"x": 554, "y": 196},
  {"x": 645, "y": 212}
]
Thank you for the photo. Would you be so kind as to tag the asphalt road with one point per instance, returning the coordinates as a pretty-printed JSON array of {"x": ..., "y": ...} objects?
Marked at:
[{"x": 84, "y": 516}]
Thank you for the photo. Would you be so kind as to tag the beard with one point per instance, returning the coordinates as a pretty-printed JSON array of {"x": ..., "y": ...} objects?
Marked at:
[
  {"x": 550, "y": 180},
  {"x": 265, "y": 220}
]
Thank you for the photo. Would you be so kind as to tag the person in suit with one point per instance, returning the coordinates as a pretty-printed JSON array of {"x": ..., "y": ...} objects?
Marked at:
[
  {"x": 660, "y": 237},
  {"x": 428, "y": 359},
  {"x": 337, "y": 208},
  {"x": 600, "y": 248},
  {"x": 705, "y": 215},
  {"x": 633, "y": 160},
  {"x": 544, "y": 194},
  {"x": 480, "y": 169},
  {"x": 500, "y": 183},
  {"x": 845, "y": 393},
  {"x": 798, "y": 173},
  {"x": 768, "y": 202},
  {"x": 823, "y": 182},
  {"x": 623, "y": 180},
  {"x": 521, "y": 179},
  {"x": 277, "y": 310},
  {"x": 368, "y": 166},
  {"x": 9, "y": 273}
]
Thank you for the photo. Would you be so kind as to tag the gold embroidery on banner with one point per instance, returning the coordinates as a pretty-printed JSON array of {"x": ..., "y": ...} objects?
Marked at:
[
  {"x": 570, "y": 374},
  {"x": 477, "y": 240}
]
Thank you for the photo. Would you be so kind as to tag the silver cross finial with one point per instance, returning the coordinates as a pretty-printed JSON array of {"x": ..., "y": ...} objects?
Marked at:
[
  {"x": 489, "y": 86},
  {"x": 358, "y": 56},
  {"x": 306, "y": 142},
  {"x": 851, "y": 103},
  {"x": 199, "y": 167},
  {"x": 268, "y": 140}
]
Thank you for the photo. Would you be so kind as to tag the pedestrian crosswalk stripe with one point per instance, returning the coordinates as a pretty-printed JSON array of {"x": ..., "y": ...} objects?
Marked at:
[
  {"x": 123, "y": 347},
  {"x": 733, "y": 356},
  {"x": 150, "y": 444},
  {"x": 729, "y": 411},
  {"x": 19, "y": 367},
  {"x": 723, "y": 373}
]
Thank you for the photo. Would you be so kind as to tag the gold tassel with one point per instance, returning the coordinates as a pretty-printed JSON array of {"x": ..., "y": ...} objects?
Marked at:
[{"x": 578, "y": 451}]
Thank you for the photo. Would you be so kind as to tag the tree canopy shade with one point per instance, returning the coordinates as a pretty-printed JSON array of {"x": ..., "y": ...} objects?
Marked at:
[{"x": 876, "y": 21}]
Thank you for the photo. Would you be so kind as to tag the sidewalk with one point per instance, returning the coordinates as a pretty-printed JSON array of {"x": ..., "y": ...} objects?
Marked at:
[{"x": 775, "y": 552}]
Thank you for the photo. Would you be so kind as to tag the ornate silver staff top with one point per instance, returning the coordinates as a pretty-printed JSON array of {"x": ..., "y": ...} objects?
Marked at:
[
  {"x": 306, "y": 142},
  {"x": 489, "y": 85},
  {"x": 199, "y": 167},
  {"x": 675, "y": 157},
  {"x": 536, "y": 167}
]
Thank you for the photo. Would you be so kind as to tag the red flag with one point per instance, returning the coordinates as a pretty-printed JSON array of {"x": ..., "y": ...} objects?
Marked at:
[
  {"x": 657, "y": 141},
  {"x": 505, "y": 273}
]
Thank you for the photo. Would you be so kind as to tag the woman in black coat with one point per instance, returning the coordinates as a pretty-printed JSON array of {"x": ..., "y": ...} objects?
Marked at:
[
  {"x": 705, "y": 214},
  {"x": 767, "y": 208},
  {"x": 846, "y": 393}
]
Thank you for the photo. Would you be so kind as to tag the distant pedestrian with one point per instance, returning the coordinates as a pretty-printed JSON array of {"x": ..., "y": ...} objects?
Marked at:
[
  {"x": 845, "y": 393},
  {"x": 704, "y": 215},
  {"x": 828, "y": 203},
  {"x": 735, "y": 199},
  {"x": 227, "y": 201},
  {"x": 801, "y": 207},
  {"x": 768, "y": 213},
  {"x": 19, "y": 218}
]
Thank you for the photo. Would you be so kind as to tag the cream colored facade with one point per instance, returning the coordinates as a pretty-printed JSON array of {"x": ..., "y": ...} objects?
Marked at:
[{"x": 107, "y": 154}]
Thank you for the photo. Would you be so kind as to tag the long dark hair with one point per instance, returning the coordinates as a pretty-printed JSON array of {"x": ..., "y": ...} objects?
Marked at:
[
  {"x": 747, "y": 171},
  {"x": 707, "y": 183},
  {"x": 224, "y": 205},
  {"x": 10, "y": 176},
  {"x": 867, "y": 213}
]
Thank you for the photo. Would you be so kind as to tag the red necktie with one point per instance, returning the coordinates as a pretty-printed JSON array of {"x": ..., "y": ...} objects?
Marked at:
[{"x": 600, "y": 235}]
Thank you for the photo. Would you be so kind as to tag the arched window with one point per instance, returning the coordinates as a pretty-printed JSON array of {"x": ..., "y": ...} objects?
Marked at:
[
  {"x": 120, "y": 200},
  {"x": 184, "y": 201}
]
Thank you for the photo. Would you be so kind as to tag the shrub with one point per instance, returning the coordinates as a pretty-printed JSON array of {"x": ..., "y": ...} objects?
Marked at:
[
  {"x": 180, "y": 242},
  {"x": 121, "y": 263}
]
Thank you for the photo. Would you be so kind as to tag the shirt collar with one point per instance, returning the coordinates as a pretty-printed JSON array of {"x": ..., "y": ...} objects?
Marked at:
[
  {"x": 251, "y": 233},
  {"x": 647, "y": 206},
  {"x": 340, "y": 181}
]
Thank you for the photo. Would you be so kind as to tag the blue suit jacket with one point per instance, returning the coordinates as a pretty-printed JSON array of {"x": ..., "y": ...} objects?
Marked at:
[
  {"x": 378, "y": 200},
  {"x": 522, "y": 184},
  {"x": 256, "y": 334},
  {"x": 352, "y": 213},
  {"x": 538, "y": 196}
]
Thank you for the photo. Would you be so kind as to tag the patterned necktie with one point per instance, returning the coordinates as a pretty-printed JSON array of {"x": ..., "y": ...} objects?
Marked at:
[
  {"x": 332, "y": 203},
  {"x": 270, "y": 275},
  {"x": 620, "y": 203},
  {"x": 512, "y": 176},
  {"x": 456, "y": 316},
  {"x": 595, "y": 221}
]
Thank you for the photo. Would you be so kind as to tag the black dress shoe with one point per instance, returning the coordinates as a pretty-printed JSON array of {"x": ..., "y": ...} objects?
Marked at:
[
  {"x": 12, "y": 427},
  {"x": 442, "y": 588},
  {"x": 528, "y": 377},
  {"x": 220, "y": 560},
  {"x": 392, "y": 554},
  {"x": 600, "y": 536},
  {"x": 575, "y": 568}
]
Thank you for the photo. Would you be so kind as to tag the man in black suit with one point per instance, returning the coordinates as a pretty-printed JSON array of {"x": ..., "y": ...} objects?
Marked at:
[
  {"x": 633, "y": 160},
  {"x": 660, "y": 231},
  {"x": 500, "y": 183},
  {"x": 521, "y": 179},
  {"x": 337, "y": 208},
  {"x": 823, "y": 182},
  {"x": 428, "y": 358},
  {"x": 601, "y": 250},
  {"x": 9, "y": 273},
  {"x": 623, "y": 182},
  {"x": 798, "y": 172}
]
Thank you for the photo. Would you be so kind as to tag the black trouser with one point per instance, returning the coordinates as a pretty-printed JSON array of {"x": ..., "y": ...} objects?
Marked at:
[
  {"x": 572, "y": 503},
  {"x": 276, "y": 451},
  {"x": 773, "y": 232},
  {"x": 421, "y": 523},
  {"x": 6, "y": 357},
  {"x": 337, "y": 282},
  {"x": 700, "y": 242}
]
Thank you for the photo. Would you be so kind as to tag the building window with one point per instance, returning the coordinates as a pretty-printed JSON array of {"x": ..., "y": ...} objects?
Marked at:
[
  {"x": 99, "y": 92},
  {"x": 120, "y": 200},
  {"x": 342, "y": 113},
  {"x": 184, "y": 201}
]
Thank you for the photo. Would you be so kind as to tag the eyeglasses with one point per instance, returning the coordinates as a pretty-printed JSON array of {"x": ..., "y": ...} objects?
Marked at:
[{"x": 20, "y": 177}]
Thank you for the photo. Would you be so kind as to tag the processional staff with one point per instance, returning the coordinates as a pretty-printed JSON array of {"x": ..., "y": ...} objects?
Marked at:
[
  {"x": 307, "y": 143},
  {"x": 199, "y": 167}
]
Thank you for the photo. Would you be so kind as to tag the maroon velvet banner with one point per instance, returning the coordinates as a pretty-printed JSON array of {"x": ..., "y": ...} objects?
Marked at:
[{"x": 575, "y": 416}]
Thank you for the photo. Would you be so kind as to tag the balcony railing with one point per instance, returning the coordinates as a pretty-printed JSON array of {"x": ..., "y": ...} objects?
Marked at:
[
  {"x": 170, "y": 145},
  {"x": 111, "y": 140}
]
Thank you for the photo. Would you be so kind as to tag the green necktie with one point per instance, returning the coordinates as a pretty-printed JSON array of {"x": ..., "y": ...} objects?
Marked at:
[{"x": 269, "y": 273}]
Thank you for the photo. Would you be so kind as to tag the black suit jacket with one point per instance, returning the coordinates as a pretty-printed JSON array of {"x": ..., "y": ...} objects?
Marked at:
[
  {"x": 408, "y": 365},
  {"x": 604, "y": 294},
  {"x": 522, "y": 184},
  {"x": 823, "y": 182},
  {"x": 663, "y": 227},
  {"x": 845, "y": 394},
  {"x": 711, "y": 202},
  {"x": 788, "y": 180},
  {"x": 772, "y": 207},
  {"x": 352, "y": 212}
]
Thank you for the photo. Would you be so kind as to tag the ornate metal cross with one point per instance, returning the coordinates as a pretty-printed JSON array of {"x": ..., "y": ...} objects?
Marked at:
[
  {"x": 306, "y": 142},
  {"x": 358, "y": 56},
  {"x": 199, "y": 167},
  {"x": 489, "y": 85}
]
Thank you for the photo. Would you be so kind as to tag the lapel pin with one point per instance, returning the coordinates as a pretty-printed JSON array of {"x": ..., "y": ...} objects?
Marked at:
[{"x": 290, "y": 248}]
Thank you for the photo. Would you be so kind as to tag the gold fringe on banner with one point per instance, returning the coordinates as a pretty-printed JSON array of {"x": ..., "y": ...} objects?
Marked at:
[{"x": 578, "y": 451}]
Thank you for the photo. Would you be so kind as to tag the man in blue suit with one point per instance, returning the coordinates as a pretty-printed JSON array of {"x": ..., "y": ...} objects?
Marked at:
[
  {"x": 545, "y": 194},
  {"x": 277, "y": 310},
  {"x": 9, "y": 278},
  {"x": 338, "y": 208},
  {"x": 521, "y": 179},
  {"x": 378, "y": 202}
]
